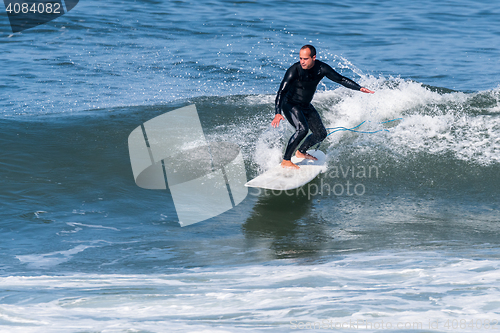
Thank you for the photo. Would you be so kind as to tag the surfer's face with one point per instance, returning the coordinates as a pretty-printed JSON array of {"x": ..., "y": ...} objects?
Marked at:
[{"x": 306, "y": 61}]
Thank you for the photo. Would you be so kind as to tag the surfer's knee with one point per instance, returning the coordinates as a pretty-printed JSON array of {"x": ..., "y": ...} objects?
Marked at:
[
  {"x": 322, "y": 135},
  {"x": 302, "y": 131}
]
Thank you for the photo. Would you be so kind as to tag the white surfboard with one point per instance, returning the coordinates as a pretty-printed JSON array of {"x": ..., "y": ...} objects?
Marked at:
[{"x": 279, "y": 178}]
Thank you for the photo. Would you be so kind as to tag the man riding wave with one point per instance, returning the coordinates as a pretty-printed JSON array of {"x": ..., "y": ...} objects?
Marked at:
[{"x": 294, "y": 101}]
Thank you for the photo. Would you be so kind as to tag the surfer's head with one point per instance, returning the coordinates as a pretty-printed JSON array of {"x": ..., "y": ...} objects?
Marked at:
[{"x": 307, "y": 56}]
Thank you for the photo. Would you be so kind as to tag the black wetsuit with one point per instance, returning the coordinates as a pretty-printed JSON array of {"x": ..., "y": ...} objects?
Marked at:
[{"x": 294, "y": 99}]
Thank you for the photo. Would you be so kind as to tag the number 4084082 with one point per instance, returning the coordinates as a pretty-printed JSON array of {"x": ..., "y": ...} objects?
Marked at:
[
  {"x": 35, "y": 8},
  {"x": 471, "y": 324}
]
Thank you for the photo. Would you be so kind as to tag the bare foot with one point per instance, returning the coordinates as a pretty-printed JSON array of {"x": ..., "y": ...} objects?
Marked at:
[
  {"x": 306, "y": 156},
  {"x": 289, "y": 164}
]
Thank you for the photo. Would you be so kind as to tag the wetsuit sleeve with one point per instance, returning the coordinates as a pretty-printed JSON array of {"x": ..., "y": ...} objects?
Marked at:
[
  {"x": 336, "y": 77},
  {"x": 290, "y": 76}
]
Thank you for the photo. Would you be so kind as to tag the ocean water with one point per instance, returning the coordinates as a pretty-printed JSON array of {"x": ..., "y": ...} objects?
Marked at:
[{"x": 400, "y": 234}]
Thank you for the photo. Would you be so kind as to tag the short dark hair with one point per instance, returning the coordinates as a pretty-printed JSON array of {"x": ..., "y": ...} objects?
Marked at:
[{"x": 311, "y": 48}]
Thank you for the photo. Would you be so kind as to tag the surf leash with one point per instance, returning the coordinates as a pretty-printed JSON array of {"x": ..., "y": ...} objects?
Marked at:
[{"x": 353, "y": 129}]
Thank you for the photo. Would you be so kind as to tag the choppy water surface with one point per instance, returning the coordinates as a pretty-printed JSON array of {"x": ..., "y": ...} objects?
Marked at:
[{"x": 402, "y": 229}]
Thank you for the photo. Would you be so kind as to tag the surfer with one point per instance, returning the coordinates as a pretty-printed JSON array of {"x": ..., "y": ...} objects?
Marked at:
[{"x": 294, "y": 101}]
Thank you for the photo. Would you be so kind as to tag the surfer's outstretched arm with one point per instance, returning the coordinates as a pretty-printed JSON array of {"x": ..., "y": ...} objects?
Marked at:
[{"x": 346, "y": 82}]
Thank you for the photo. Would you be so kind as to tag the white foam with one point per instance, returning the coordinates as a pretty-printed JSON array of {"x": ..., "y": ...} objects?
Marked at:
[
  {"x": 269, "y": 148},
  {"x": 51, "y": 259},
  {"x": 259, "y": 100},
  {"x": 97, "y": 226},
  {"x": 406, "y": 287},
  {"x": 433, "y": 122}
]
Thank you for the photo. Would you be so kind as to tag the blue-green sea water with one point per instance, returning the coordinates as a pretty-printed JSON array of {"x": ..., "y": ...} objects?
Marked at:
[{"x": 403, "y": 237}]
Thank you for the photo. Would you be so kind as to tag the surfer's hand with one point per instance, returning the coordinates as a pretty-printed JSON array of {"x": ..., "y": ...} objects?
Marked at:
[
  {"x": 368, "y": 91},
  {"x": 276, "y": 120}
]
